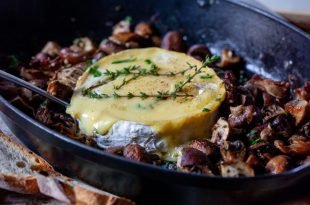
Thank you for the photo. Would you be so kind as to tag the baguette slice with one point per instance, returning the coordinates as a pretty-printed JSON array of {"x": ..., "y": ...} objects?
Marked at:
[{"x": 24, "y": 172}]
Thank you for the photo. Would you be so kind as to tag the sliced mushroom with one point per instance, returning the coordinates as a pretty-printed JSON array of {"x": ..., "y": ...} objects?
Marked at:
[
  {"x": 241, "y": 115},
  {"x": 278, "y": 89},
  {"x": 229, "y": 80},
  {"x": 305, "y": 130},
  {"x": 137, "y": 153},
  {"x": 33, "y": 74},
  {"x": 278, "y": 164},
  {"x": 144, "y": 29},
  {"x": 121, "y": 27},
  {"x": 128, "y": 39},
  {"x": 237, "y": 169},
  {"x": 204, "y": 146},
  {"x": 273, "y": 111},
  {"x": 220, "y": 131},
  {"x": 81, "y": 49},
  {"x": 267, "y": 134},
  {"x": 199, "y": 51},
  {"x": 298, "y": 109},
  {"x": 232, "y": 151},
  {"x": 281, "y": 126},
  {"x": 173, "y": 41},
  {"x": 109, "y": 47},
  {"x": 56, "y": 88},
  {"x": 298, "y": 145},
  {"x": 193, "y": 160},
  {"x": 51, "y": 48},
  {"x": 229, "y": 59},
  {"x": 69, "y": 76},
  {"x": 303, "y": 93}
]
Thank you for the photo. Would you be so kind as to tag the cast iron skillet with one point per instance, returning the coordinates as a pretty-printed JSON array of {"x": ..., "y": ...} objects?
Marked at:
[{"x": 281, "y": 49}]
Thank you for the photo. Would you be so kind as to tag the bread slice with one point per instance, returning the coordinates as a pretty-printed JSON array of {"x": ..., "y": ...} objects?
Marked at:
[
  {"x": 23, "y": 171},
  {"x": 18, "y": 166}
]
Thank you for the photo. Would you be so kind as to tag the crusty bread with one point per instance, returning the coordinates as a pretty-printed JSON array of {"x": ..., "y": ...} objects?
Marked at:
[
  {"x": 23, "y": 171},
  {"x": 18, "y": 166}
]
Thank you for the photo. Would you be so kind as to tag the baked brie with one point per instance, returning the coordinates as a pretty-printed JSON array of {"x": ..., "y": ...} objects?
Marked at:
[{"x": 154, "y": 97}]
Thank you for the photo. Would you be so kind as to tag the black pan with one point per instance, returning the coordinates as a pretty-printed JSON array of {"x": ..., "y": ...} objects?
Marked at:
[{"x": 280, "y": 48}]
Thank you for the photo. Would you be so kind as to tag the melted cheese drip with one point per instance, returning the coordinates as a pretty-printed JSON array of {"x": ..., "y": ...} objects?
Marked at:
[{"x": 176, "y": 120}]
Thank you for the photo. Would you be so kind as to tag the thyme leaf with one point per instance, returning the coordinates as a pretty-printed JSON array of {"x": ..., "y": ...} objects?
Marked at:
[
  {"x": 124, "y": 61},
  {"x": 94, "y": 71}
]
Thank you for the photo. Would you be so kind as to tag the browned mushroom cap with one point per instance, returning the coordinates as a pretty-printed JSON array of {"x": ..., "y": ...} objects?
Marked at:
[
  {"x": 59, "y": 90},
  {"x": 121, "y": 27},
  {"x": 278, "y": 164},
  {"x": 278, "y": 89},
  {"x": 229, "y": 80},
  {"x": 273, "y": 111},
  {"x": 241, "y": 115},
  {"x": 237, "y": 169},
  {"x": 81, "y": 49},
  {"x": 253, "y": 161},
  {"x": 229, "y": 59},
  {"x": 281, "y": 126},
  {"x": 303, "y": 93},
  {"x": 137, "y": 153},
  {"x": 109, "y": 47},
  {"x": 267, "y": 133},
  {"x": 298, "y": 145},
  {"x": 51, "y": 48},
  {"x": 128, "y": 39},
  {"x": 44, "y": 62},
  {"x": 192, "y": 157},
  {"x": 199, "y": 51},
  {"x": 193, "y": 160},
  {"x": 305, "y": 130},
  {"x": 63, "y": 123},
  {"x": 232, "y": 151},
  {"x": 173, "y": 41},
  {"x": 204, "y": 146},
  {"x": 220, "y": 131},
  {"x": 69, "y": 76},
  {"x": 84, "y": 45},
  {"x": 298, "y": 109},
  {"x": 144, "y": 29},
  {"x": 33, "y": 74}
]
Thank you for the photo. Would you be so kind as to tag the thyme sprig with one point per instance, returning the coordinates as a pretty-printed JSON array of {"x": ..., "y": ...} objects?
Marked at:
[
  {"x": 136, "y": 72},
  {"x": 207, "y": 62},
  {"x": 129, "y": 95}
]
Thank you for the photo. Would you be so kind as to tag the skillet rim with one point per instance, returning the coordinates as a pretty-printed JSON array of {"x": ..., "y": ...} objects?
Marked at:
[{"x": 197, "y": 179}]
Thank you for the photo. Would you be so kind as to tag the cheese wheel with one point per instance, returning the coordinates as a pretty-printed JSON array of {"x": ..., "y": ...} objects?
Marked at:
[{"x": 142, "y": 90}]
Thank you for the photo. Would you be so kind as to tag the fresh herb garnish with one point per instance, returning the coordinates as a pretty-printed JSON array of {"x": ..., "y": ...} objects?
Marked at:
[
  {"x": 124, "y": 61},
  {"x": 206, "y": 110},
  {"x": 13, "y": 62},
  {"x": 206, "y": 76},
  {"x": 94, "y": 71},
  {"x": 87, "y": 64},
  {"x": 254, "y": 141},
  {"x": 218, "y": 99},
  {"x": 128, "y": 18},
  {"x": 253, "y": 132},
  {"x": 135, "y": 72}
]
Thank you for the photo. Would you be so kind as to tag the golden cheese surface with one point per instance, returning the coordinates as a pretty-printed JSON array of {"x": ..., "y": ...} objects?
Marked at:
[{"x": 134, "y": 97}]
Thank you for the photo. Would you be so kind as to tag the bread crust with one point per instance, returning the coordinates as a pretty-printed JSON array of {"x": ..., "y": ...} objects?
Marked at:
[{"x": 52, "y": 183}]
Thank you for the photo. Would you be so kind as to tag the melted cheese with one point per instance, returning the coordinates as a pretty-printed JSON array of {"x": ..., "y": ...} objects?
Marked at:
[{"x": 174, "y": 120}]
